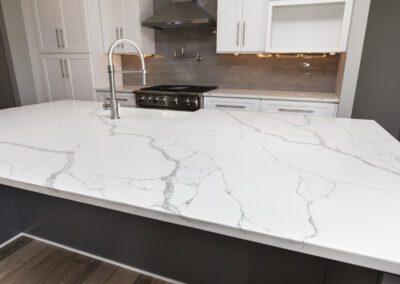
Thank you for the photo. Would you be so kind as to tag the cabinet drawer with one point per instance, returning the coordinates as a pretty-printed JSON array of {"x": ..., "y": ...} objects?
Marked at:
[
  {"x": 303, "y": 108},
  {"x": 232, "y": 104},
  {"x": 124, "y": 99}
]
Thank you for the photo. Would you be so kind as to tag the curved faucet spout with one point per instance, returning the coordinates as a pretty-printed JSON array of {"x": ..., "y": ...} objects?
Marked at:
[{"x": 111, "y": 72}]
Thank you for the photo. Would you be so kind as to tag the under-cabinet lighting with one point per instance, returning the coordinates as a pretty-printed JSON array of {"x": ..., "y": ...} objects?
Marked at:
[
  {"x": 264, "y": 55},
  {"x": 314, "y": 55},
  {"x": 288, "y": 55}
]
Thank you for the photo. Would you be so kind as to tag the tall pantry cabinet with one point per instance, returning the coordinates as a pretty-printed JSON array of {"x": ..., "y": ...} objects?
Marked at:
[{"x": 62, "y": 34}]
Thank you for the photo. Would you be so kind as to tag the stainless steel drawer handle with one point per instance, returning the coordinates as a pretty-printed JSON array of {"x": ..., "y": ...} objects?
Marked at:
[
  {"x": 62, "y": 38},
  {"x": 66, "y": 68},
  {"x": 118, "y": 99},
  {"x": 62, "y": 68},
  {"x": 122, "y": 36},
  {"x": 230, "y": 106},
  {"x": 237, "y": 34},
  {"x": 58, "y": 38},
  {"x": 295, "y": 110},
  {"x": 117, "y": 33},
  {"x": 244, "y": 33}
]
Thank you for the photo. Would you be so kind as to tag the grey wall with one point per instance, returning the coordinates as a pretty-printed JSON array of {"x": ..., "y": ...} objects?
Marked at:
[
  {"x": 378, "y": 89},
  {"x": 19, "y": 50},
  {"x": 229, "y": 71},
  {"x": 8, "y": 86},
  {"x": 9, "y": 221}
]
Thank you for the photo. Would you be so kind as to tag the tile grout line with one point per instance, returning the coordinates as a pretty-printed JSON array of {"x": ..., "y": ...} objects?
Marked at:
[{"x": 95, "y": 257}]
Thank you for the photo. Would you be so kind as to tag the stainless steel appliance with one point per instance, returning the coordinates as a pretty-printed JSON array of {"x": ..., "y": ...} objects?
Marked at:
[
  {"x": 113, "y": 105},
  {"x": 178, "y": 97},
  {"x": 183, "y": 13}
]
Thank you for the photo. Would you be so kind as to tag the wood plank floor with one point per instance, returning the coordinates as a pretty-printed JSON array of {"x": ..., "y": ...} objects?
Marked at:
[{"x": 28, "y": 261}]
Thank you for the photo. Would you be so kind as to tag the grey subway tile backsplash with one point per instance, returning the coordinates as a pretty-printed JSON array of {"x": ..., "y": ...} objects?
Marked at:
[{"x": 229, "y": 71}]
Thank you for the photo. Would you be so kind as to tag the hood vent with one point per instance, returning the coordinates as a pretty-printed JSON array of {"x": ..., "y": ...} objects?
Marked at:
[{"x": 179, "y": 15}]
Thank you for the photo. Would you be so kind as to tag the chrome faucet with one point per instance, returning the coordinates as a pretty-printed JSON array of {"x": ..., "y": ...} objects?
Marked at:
[{"x": 111, "y": 71}]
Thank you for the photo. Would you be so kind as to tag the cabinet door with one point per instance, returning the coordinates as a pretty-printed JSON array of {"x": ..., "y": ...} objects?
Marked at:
[
  {"x": 300, "y": 108},
  {"x": 112, "y": 21},
  {"x": 55, "y": 77},
  {"x": 74, "y": 31},
  {"x": 48, "y": 19},
  {"x": 232, "y": 104},
  {"x": 132, "y": 24},
  {"x": 229, "y": 28},
  {"x": 79, "y": 77},
  {"x": 254, "y": 26}
]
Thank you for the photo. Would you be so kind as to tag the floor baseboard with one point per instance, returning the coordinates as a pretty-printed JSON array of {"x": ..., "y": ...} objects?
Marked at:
[
  {"x": 92, "y": 256},
  {"x": 11, "y": 240}
]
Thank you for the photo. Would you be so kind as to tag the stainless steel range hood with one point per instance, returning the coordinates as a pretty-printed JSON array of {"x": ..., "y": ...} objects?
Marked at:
[{"x": 179, "y": 14}]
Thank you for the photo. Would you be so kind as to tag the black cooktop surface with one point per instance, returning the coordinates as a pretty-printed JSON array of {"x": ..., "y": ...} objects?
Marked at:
[{"x": 180, "y": 88}]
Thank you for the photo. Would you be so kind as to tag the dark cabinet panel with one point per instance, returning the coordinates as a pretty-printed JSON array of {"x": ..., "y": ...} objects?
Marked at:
[
  {"x": 341, "y": 273},
  {"x": 9, "y": 223}
]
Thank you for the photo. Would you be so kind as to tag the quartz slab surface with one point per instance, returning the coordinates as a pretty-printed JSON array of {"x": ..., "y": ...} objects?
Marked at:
[
  {"x": 322, "y": 186},
  {"x": 275, "y": 95}
]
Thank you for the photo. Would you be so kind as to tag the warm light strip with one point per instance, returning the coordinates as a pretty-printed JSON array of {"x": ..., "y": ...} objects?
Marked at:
[{"x": 294, "y": 55}]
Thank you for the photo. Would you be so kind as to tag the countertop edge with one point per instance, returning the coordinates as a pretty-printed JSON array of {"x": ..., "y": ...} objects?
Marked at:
[
  {"x": 275, "y": 241},
  {"x": 252, "y": 94},
  {"x": 323, "y": 97}
]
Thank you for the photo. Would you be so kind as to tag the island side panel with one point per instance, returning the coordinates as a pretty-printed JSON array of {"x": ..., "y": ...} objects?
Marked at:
[
  {"x": 9, "y": 221},
  {"x": 178, "y": 252}
]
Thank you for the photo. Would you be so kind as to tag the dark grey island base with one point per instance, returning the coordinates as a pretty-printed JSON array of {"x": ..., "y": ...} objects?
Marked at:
[{"x": 181, "y": 253}]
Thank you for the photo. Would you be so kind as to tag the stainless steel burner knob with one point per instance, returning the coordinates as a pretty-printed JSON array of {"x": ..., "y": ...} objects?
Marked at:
[
  {"x": 149, "y": 99},
  {"x": 175, "y": 101}
]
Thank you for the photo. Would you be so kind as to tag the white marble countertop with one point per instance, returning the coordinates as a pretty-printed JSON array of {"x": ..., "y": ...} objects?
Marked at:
[
  {"x": 250, "y": 94},
  {"x": 322, "y": 186},
  {"x": 275, "y": 95}
]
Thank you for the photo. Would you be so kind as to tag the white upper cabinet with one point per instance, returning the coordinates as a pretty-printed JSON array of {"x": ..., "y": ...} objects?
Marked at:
[
  {"x": 309, "y": 26},
  {"x": 242, "y": 26},
  {"x": 123, "y": 19},
  {"x": 254, "y": 25},
  {"x": 61, "y": 26},
  {"x": 228, "y": 26},
  {"x": 112, "y": 21},
  {"x": 75, "y": 26},
  {"x": 49, "y": 22}
]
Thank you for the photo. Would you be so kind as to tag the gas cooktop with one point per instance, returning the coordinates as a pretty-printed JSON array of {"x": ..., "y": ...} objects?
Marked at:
[{"x": 178, "y": 97}]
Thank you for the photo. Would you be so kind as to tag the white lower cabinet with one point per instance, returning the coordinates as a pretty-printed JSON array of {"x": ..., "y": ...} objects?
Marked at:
[
  {"x": 272, "y": 106},
  {"x": 68, "y": 76},
  {"x": 124, "y": 99},
  {"x": 298, "y": 107},
  {"x": 232, "y": 104}
]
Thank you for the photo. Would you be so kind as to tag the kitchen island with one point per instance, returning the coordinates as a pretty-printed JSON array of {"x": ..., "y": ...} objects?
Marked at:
[{"x": 323, "y": 187}]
